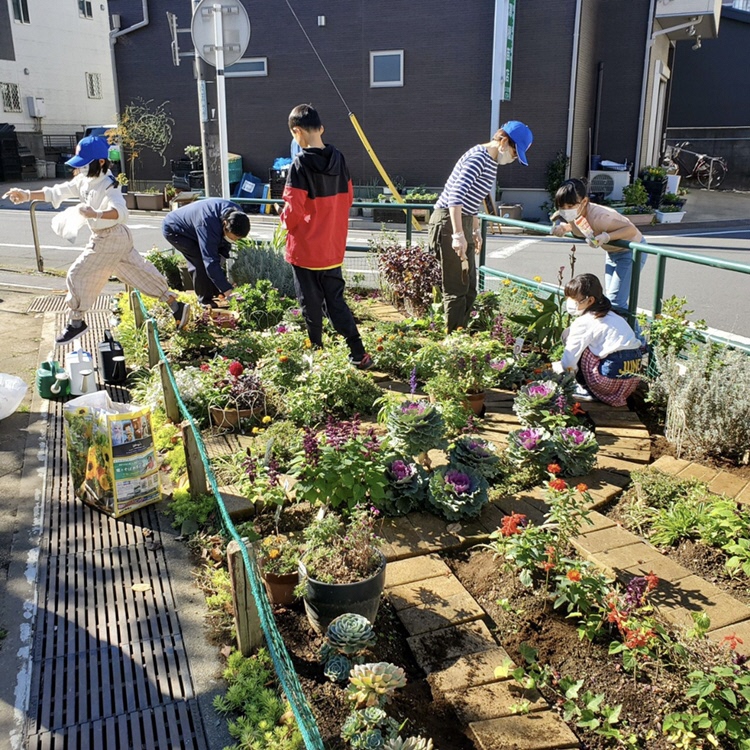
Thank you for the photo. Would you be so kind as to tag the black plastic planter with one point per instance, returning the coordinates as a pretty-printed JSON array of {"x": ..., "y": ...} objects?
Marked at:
[{"x": 326, "y": 601}]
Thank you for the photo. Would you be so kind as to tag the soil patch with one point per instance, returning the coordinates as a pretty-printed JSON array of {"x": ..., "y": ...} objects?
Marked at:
[
  {"x": 413, "y": 704},
  {"x": 522, "y": 616}
]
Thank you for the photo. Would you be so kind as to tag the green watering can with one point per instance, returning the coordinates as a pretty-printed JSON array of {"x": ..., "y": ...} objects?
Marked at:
[{"x": 52, "y": 382}]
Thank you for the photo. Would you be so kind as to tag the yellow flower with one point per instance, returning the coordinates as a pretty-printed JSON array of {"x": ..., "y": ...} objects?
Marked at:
[
  {"x": 308, "y": 344},
  {"x": 273, "y": 553},
  {"x": 529, "y": 294},
  {"x": 266, "y": 419},
  {"x": 537, "y": 278},
  {"x": 255, "y": 430},
  {"x": 506, "y": 282},
  {"x": 514, "y": 290}
]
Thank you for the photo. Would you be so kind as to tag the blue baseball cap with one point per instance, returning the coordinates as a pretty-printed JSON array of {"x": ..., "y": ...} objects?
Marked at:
[
  {"x": 521, "y": 135},
  {"x": 89, "y": 149}
]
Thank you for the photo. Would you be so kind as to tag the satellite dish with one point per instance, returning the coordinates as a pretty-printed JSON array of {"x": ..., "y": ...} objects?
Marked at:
[{"x": 235, "y": 30}]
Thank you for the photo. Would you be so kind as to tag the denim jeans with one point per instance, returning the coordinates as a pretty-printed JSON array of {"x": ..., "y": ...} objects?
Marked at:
[{"x": 618, "y": 270}]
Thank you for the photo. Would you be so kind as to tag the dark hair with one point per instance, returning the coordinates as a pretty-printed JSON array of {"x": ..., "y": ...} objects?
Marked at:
[
  {"x": 237, "y": 223},
  {"x": 570, "y": 193},
  {"x": 95, "y": 168},
  {"x": 305, "y": 116},
  {"x": 588, "y": 285},
  {"x": 502, "y": 134}
]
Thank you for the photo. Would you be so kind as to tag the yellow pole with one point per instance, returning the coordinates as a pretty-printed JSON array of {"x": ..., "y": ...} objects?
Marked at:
[{"x": 379, "y": 166}]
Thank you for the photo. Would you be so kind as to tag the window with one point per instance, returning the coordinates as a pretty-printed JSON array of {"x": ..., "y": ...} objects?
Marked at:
[
  {"x": 84, "y": 11},
  {"x": 248, "y": 67},
  {"x": 21, "y": 11},
  {"x": 11, "y": 98},
  {"x": 93, "y": 86},
  {"x": 387, "y": 68}
]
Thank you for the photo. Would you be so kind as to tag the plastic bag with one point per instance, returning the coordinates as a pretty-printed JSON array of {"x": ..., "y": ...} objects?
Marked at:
[
  {"x": 68, "y": 223},
  {"x": 12, "y": 391}
]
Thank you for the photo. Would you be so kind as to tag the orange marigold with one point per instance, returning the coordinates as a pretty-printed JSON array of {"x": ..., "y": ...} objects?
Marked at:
[
  {"x": 652, "y": 581},
  {"x": 283, "y": 358},
  {"x": 576, "y": 410},
  {"x": 554, "y": 468},
  {"x": 582, "y": 487},
  {"x": 573, "y": 575},
  {"x": 558, "y": 484}
]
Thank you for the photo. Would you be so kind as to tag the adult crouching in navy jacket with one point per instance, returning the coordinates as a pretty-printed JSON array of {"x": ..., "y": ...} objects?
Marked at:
[{"x": 203, "y": 232}]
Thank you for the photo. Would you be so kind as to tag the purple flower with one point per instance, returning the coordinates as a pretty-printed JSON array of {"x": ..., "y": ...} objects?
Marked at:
[
  {"x": 499, "y": 365},
  {"x": 413, "y": 406},
  {"x": 573, "y": 435},
  {"x": 459, "y": 481},
  {"x": 478, "y": 448},
  {"x": 561, "y": 402},
  {"x": 295, "y": 311},
  {"x": 311, "y": 447},
  {"x": 273, "y": 472},
  {"x": 413, "y": 381},
  {"x": 635, "y": 592},
  {"x": 529, "y": 439},
  {"x": 474, "y": 314},
  {"x": 250, "y": 465},
  {"x": 281, "y": 328},
  {"x": 401, "y": 470},
  {"x": 538, "y": 390}
]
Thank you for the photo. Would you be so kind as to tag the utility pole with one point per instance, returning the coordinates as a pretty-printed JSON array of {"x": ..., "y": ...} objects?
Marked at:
[{"x": 205, "y": 75}]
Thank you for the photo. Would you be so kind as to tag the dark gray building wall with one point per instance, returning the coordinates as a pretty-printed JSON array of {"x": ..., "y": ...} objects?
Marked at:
[
  {"x": 711, "y": 86},
  {"x": 621, "y": 47},
  {"x": 585, "y": 93},
  {"x": 418, "y": 131},
  {"x": 7, "y": 51},
  {"x": 541, "y": 85}
]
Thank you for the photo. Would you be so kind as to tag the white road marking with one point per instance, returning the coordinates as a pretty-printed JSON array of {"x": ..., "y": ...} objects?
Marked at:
[
  {"x": 513, "y": 249},
  {"x": 42, "y": 247}
]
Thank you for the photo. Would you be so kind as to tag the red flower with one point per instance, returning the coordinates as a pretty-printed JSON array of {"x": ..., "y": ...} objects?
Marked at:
[
  {"x": 574, "y": 575},
  {"x": 637, "y": 638},
  {"x": 732, "y": 640},
  {"x": 582, "y": 487},
  {"x": 652, "y": 582},
  {"x": 236, "y": 369},
  {"x": 283, "y": 358},
  {"x": 554, "y": 468},
  {"x": 510, "y": 524},
  {"x": 577, "y": 409},
  {"x": 558, "y": 484},
  {"x": 205, "y": 367}
]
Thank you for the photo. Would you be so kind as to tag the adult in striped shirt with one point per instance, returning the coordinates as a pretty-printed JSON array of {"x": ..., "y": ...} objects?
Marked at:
[{"x": 454, "y": 234}]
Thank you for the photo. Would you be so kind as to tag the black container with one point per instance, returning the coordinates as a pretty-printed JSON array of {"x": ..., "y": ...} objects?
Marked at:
[
  {"x": 112, "y": 360},
  {"x": 324, "y": 602}
]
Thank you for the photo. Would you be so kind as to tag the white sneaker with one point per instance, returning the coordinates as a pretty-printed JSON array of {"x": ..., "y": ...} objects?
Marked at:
[{"x": 582, "y": 394}]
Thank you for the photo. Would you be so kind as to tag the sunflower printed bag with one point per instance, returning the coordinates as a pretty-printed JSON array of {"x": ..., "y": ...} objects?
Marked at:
[{"x": 111, "y": 455}]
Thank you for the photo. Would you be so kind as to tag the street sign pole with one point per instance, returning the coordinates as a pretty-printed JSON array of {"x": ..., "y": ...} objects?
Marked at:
[{"x": 221, "y": 99}]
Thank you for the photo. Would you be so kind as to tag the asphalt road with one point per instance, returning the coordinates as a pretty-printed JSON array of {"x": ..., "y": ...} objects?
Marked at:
[{"x": 720, "y": 297}]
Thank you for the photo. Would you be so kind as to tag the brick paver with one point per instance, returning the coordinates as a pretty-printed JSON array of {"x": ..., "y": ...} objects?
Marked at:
[
  {"x": 542, "y": 730},
  {"x": 441, "y": 613},
  {"x": 670, "y": 464},
  {"x": 699, "y": 472},
  {"x": 434, "y": 650},
  {"x": 400, "y": 572},
  {"x": 727, "y": 484},
  {"x": 425, "y": 593},
  {"x": 591, "y": 542},
  {"x": 469, "y": 671},
  {"x": 493, "y": 701}
]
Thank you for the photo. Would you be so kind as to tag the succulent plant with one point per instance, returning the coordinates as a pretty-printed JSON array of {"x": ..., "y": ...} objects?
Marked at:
[
  {"x": 415, "y": 427},
  {"x": 405, "y": 489},
  {"x": 374, "y": 684},
  {"x": 410, "y": 743},
  {"x": 350, "y": 634},
  {"x": 337, "y": 668},
  {"x": 456, "y": 492},
  {"x": 361, "y": 722},
  {"x": 475, "y": 454}
]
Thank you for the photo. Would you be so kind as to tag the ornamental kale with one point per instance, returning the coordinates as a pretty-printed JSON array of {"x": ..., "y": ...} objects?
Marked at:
[{"x": 456, "y": 493}]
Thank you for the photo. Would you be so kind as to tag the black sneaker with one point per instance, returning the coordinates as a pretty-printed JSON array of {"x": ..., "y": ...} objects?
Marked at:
[
  {"x": 181, "y": 315},
  {"x": 363, "y": 364},
  {"x": 71, "y": 333}
]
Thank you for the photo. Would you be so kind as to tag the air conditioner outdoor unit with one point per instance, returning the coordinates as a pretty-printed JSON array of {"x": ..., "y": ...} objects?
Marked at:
[{"x": 608, "y": 183}]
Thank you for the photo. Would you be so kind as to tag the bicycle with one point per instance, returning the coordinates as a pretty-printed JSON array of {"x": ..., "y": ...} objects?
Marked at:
[{"x": 709, "y": 171}]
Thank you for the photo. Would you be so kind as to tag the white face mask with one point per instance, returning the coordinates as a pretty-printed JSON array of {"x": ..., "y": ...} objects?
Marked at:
[
  {"x": 505, "y": 156},
  {"x": 569, "y": 214},
  {"x": 571, "y": 307}
]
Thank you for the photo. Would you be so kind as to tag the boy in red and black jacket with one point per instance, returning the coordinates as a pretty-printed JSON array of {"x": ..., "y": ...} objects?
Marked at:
[{"x": 318, "y": 195}]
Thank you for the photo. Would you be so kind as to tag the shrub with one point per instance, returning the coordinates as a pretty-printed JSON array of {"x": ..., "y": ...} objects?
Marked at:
[
  {"x": 168, "y": 265},
  {"x": 408, "y": 276},
  {"x": 264, "y": 259},
  {"x": 260, "y": 305}
]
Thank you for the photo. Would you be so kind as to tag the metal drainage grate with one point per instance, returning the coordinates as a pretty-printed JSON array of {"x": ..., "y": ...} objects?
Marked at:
[
  {"x": 56, "y": 303},
  {"x": 109, "y": 664}
]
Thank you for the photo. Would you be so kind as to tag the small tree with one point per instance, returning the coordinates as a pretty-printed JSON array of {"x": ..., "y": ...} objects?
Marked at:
[{"x": 142, "y": 126}]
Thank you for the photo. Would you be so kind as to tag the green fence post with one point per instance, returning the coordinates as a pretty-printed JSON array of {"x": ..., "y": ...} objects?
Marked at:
[
  {"x": 408, "y": 226},
  {"x": 635, "y": 284},
  {"x": 483, "y": 253},
  {"x": 661, "y": 265}
]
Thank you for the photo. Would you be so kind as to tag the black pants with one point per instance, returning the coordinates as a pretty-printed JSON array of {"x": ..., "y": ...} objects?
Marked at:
[
  {"x": 322, "y": 292},
  {"x": 205, "y": 289}
]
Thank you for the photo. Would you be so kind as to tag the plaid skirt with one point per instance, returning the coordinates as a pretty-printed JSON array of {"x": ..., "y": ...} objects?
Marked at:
[{"x": 612, "y": 391}]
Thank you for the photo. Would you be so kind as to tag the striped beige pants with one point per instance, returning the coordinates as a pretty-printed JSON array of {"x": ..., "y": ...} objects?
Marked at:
[{"x": 110, "y": 252}]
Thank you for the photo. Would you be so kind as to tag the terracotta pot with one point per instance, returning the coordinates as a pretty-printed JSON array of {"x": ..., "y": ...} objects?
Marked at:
[
  {"x": 229, "y": 417},
  {"x": 476, "y": 402},
  {"x": 280, "y": 587}
]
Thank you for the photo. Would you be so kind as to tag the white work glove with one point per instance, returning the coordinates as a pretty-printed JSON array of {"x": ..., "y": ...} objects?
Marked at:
[
  {"x": 88, "y": 212},
  {"x": 602, "y": 238},
  {"x": 459, "y": 244},
  {"x": 477, "y": 234},
  {"x": 560, "y": 230},
  {"x": 18, "y": 195},
  {"x": 557, "y": 367}
]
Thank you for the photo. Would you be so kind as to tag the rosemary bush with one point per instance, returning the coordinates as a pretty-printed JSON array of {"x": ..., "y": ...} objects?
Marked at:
[{"x": 264, "y": 259}]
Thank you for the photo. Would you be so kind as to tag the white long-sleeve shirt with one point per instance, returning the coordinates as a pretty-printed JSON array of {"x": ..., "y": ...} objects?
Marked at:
[
  {"x": 100, "y": 193},
  {"x": 602, "y": 336}
]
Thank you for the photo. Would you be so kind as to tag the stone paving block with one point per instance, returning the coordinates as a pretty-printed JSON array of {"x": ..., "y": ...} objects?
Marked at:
[
  {"x": 739, "y": 629},
  {"x": 541, "y": 730},
  {"x": 238, "y": 506},
  {"x": 610, "y": 441},
  {"x": 425, "y": 593},
  {"x": 415, "y": 569},
  {"x": 433, "y": 650},
  {"x": 491, "y": 517},
  {"x": 635, "y": 455},
  {"x": 662, "y": 567},
  {"x": 618, "y": 560},
  {"x": 433, "y": 531},
  {"x": 677, "y": 601},
  {"x": 441, "y": 613},
  {"x": 744, "y": 496},
  {"x": 598, "y": 521},
  {"x": 624, "y": 430},
  {"x": 469, "y": 671},
  {"x": 402, "y": 537},
  {"x": 604, "y": 539},
  {"x": 616, "y": 465},
  {"x": 493, "y": 701},
  {"x": 699, "y": 472},
  {"x": 727, "y": 484},
  {"x": 670, "y": 464},
  {"x": 603, "y": 485}
]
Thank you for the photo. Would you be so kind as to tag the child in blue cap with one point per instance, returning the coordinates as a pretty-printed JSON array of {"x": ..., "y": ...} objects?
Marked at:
[{"x": 110, "y": 249}]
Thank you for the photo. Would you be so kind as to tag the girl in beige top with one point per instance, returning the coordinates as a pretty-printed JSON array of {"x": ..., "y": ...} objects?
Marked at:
[{"x": 575, "y": 209}]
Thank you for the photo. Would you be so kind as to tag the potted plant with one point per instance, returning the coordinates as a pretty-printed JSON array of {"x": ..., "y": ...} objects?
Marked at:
[
  {"x": 637, "y": 208},
  {"x": 278, "y": 559},
  {"x": 122, "y": 181},
  {"x": 669, "y": 213},
  {"x": 654, "y": 180},
  {"x": 150, "y": 199},
  {"x": 231, "y": 392},
  {"x": 421, "y": 195},
  {"x": 194, "y": 155},
  {"x": 341, "y": 569}
]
